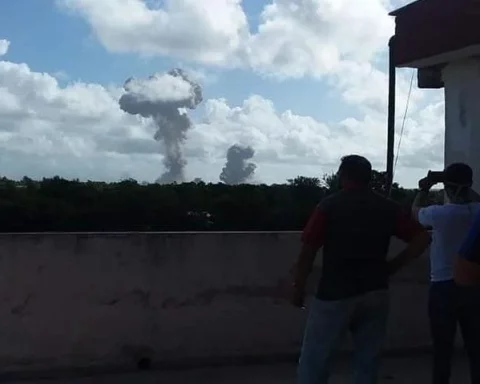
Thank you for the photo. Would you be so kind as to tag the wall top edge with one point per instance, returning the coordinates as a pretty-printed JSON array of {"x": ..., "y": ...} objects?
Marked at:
[{"x": 206, "y": 233}]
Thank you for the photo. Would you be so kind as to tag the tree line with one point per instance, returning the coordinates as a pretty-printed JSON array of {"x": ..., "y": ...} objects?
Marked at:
[{"x": 56, "y": 204}]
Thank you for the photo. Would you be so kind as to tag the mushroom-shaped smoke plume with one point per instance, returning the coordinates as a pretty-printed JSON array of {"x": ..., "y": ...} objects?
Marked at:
[{"x": 164, "y": 98}]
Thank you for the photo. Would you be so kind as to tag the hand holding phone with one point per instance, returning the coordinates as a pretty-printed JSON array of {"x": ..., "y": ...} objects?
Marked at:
[
  {"x": 433, "y": 177},
  {"x": 436, "y": 177}
]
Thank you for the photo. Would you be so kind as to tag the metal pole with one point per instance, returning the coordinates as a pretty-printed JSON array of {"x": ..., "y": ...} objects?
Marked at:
[{"x": 391, "y": 115}]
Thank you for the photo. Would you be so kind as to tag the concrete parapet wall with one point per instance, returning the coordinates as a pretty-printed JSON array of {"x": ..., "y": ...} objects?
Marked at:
[{"x": 111, "y": 298}]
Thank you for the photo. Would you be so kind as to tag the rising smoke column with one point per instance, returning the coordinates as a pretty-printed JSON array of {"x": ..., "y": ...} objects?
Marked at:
[
  {"x": 237, "y": 170},
  {"x": 164, "y": 98}
]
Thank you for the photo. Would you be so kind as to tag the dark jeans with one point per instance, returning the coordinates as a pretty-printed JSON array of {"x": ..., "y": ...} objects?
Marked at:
[
  {"x": 448, "y": 306},
  {"x": 365, "y": 316}
]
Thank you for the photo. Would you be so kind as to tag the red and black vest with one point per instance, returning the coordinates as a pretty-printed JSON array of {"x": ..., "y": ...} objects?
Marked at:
[{"x": 359, "y": 224}]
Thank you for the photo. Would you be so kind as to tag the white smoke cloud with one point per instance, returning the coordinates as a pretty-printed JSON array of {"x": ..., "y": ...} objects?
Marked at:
[
  {"x": 164, "y": 98},
  {"x": 238, "y": 170},
  {"x": 4, "y": 45},
  {"x": 160, "y": 88}
]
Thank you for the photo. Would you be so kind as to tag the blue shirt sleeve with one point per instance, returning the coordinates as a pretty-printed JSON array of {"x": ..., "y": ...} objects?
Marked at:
[
  {"x": 470, "y": 249},
  {"x": 427, "y": 216}
]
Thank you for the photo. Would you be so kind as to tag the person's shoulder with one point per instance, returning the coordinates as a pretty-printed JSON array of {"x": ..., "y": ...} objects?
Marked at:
[
  {"x": 332, "y": 200},
  {"x": 441, "y": 214},
  {"x": 449, "y": 209},
  {"x": 385, "y": 202},
  {"x": 436, "y": 209}
]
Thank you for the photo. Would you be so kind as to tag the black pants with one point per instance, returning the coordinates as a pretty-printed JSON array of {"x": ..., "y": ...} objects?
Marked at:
[{"x": 448, "y": 306}]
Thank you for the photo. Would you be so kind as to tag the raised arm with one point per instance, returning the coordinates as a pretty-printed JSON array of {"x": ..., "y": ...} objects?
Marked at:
[{"x": 421, "y": 199}]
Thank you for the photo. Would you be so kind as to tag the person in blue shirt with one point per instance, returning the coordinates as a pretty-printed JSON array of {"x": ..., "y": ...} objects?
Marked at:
[
  {"x": 467, "y": 266},
  {"x": 449, "y": 304},
  {"x": 467, "y": 280}
]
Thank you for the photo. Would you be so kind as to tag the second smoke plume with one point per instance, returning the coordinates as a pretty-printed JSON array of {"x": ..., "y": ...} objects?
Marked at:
[{"x": 238, "y": 170}]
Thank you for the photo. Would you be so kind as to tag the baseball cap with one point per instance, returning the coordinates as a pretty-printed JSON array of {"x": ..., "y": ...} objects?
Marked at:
[{"x": 459, "y": 174}]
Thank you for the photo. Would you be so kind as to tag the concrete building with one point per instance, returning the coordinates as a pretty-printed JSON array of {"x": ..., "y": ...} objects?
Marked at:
[{"x": 442, "y": 39}]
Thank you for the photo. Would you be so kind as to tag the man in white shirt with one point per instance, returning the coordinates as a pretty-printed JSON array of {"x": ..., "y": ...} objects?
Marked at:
[{"x": 450, "y": 224}]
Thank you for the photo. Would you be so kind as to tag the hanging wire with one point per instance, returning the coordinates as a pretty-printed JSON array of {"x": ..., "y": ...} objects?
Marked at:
[{"x": 403, "y": 122}]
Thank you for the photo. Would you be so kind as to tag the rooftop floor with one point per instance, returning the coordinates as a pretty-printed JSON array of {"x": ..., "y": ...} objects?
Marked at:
[{"x": 411, "y": 370}]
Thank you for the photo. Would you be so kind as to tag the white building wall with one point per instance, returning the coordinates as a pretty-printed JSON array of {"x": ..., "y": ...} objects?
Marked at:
[{"x": 462, "y": 114}]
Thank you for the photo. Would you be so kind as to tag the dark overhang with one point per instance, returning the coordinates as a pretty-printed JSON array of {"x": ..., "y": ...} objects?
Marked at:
[{"x": 433, "y": 32}]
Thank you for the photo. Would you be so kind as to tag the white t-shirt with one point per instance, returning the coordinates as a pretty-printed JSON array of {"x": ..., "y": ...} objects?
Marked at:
[{"x": 450, "y": 224}]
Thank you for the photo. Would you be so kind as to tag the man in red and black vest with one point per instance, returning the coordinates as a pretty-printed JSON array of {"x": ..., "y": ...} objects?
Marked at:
[{"x": 354, "y": 227}]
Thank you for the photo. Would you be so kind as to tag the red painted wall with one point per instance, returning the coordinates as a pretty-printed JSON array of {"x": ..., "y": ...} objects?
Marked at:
[{"x": 428, "y": 28}]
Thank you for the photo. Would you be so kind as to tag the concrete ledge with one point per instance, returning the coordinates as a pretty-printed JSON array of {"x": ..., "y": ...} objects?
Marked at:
[{"x": 109, "y": 299}]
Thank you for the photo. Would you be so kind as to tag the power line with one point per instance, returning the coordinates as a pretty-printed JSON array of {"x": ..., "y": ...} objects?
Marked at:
[{"x": 403, "y": 123}]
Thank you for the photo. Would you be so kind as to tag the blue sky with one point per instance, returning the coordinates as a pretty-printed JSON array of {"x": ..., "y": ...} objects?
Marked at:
[
  {"x": 341, "y": 93},
  {"x": 76, "y": 53}
]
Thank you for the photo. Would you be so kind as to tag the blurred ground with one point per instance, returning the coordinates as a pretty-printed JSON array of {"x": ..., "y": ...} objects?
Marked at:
[{"x": 410, "y": 370}]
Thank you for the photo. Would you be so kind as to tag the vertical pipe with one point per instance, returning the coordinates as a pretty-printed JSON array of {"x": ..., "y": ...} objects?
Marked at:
[{"x": 391, "y": 116}]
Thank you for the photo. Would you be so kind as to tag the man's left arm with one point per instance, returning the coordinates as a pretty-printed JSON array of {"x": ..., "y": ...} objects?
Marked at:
[
  {"x": 416, "y": 237},
  {"x": 312, "y": 241}
]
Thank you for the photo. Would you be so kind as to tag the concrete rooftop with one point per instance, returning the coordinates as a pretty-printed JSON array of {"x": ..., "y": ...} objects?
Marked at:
[{"x": 411, "y": 370}]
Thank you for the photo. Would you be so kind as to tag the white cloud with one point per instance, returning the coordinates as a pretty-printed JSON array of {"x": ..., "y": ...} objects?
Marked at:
[
  {"x": 364, "y": 85},
  {"x": 286, "y": 143},
  {"x": 4, "y": 45},
  {"x": 61, "y": 75},
  {"x": 38, "y": 116},
  {"x": 208, "y": 31},
  {"x": 161, "y": 87},
  {"x": 297, "y": 38},
  {"x": 339, "y": 39},
  {"x": 294, "y": 37},
  {"x": 78, "y": 130}
]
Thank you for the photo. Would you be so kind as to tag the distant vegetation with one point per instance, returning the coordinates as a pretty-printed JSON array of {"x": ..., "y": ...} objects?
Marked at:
[{"x": 62, "y": 205}]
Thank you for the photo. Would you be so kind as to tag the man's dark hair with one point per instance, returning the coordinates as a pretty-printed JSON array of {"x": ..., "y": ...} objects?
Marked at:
[{"x": 356, "y": 168}]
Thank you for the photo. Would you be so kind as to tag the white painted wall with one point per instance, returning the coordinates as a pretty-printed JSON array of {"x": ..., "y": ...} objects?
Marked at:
[
  {"x": 462, "y": 114},
  {"x": 100, "y": 299}
]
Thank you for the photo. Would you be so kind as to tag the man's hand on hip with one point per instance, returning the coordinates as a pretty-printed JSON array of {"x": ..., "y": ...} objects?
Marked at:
[{"x": 297, "y": 298}]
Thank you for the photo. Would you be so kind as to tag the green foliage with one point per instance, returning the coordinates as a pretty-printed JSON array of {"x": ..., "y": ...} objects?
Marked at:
[{"x": 57, "y": 204}]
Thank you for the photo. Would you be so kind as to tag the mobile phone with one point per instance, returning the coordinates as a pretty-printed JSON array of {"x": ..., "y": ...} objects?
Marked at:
[{"x": 436, "y": 176}]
